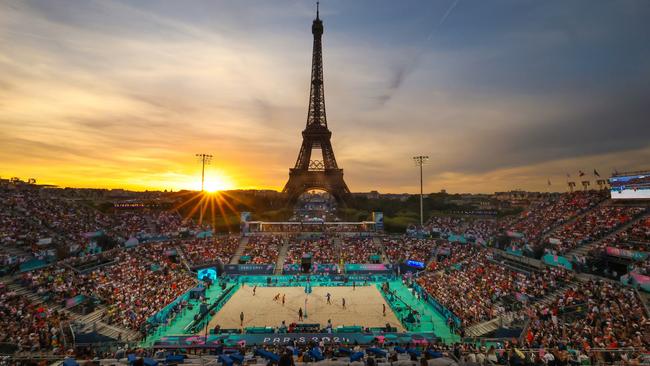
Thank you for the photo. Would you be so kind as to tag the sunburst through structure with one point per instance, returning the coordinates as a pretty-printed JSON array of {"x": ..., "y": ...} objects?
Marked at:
[{"x": 206, "y": 206}]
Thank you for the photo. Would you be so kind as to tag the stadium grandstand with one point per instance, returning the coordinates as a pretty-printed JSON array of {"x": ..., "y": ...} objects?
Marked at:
[{"x": 565, "y": 279}]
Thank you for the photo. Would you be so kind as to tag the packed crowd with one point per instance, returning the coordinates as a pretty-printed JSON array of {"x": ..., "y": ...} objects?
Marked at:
[
  {"x": 594, "y": 225},
  {"x": 635, "y": 237},
  {"x": 478, "y": 230},
  {"x": 143, "y": 223},
  {"x": 321, "y": 250},
  {"x": 385, "y": 353},
  {"x": 135, "y": 286},
  {"x": 314, "y": 227},
  {"x": 546, "y": 214},
  {"x": 404, "y": 247},
  {"x": 32, "y": 221},
  {"x": 451, "y": 254},
  {"x": 263, "y": 249},
  {"x": 596, "y": 314},
  {"x": 143, "y": 281},
  {"x": 474, "y": 292},
  {"x": 30, "y": 326},
  {"x": 359, "y": 249},
  {"x": 199, "y": 251},
  {"x": 16, "y": 227}
]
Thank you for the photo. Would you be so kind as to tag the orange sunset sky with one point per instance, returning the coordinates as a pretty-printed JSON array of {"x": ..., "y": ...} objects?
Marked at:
[{"x": 123, "y": 94}]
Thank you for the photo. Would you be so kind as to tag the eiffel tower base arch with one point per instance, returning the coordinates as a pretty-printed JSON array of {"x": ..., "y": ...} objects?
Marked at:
[{"x": 331, "y": 181}]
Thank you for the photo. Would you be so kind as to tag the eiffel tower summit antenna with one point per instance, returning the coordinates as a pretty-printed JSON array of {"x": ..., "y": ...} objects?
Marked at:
[{"x": 309, "y": 173}]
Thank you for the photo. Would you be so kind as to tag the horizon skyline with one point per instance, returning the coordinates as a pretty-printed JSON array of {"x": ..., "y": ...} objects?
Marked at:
[
  {"x": 119, "y": 94},
  {"x": 549, "y": 191}
]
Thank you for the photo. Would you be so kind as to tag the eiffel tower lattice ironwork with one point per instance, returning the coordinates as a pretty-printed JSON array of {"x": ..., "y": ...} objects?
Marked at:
[{"x": 310, "y": 173}]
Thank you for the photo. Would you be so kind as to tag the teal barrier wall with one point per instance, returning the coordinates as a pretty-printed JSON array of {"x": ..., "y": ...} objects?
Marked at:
[
  {"x": 33, "y": 264},
  {"x": 161, "y": 315},
  {"x": 517, "y": 252},
  {"x": 441, "y": 309},
  {"x": 557, "y": 260}
]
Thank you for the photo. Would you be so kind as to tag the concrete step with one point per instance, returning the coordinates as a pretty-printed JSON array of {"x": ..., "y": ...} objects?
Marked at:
[
  {"x": 380, "y": 244},
  {"x": 584, "y": 249},
  {"x": 533, "y": 263},
  {"x": 555, "y": 228},
  {"x": 282, "y": 255},
  {"x": 93, "y": 317},
  {"x": 488, "y": 326},
  {"x": 114, "y": 332},
  {"x": 240, "y": 250}
]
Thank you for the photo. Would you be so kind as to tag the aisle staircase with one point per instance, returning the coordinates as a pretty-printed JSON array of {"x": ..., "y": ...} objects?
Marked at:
[
  {"x": 183, "y": 258},
  {"x": 90, "y": 322},
  {"x": 240, "y": 250},
  {"x": 580, "y": 215},
  {"x": 491, "y": 325},
  {"x": 380, "y": 244},
  {"x": 584, "y": 249},
  {"x": 282, "y": 254},
  {"x": 527, "y": 261}
]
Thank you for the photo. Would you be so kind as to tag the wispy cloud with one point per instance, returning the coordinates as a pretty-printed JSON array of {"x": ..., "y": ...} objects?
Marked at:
[{"x": 505, "y": 94}]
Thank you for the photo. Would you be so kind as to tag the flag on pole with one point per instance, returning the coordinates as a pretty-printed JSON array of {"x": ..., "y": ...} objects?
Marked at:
[{"x": 596, "y": 173}]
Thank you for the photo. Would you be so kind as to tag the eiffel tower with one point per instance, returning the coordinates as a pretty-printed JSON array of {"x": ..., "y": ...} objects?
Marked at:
[{"x": 310, "y": 173}]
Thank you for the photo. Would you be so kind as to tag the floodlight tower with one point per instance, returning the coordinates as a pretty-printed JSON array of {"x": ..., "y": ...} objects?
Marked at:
[
  {"x": 204, "y": 159},
  {"x": 419, "y": 161}
]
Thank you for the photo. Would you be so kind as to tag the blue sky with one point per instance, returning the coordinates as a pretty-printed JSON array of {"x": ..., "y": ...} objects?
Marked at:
[{"x": 500, "y": 94}]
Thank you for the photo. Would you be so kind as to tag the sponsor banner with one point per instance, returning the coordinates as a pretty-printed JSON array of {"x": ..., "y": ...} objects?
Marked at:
[
  {"x": 74, "y": 301},
  {"x": 514, "y": 234},
  {"x": 557, "y": 260},
  {"x": 636, "y": 280},
  {"x": 219, "y": 340},
  {"x": 368, "y": 268},
  {"x": 415, "y": 264},
  {"x": 248, "y": 268},
  {"x": 623, "y": 253},
  {"x": 321, "y": 268}
]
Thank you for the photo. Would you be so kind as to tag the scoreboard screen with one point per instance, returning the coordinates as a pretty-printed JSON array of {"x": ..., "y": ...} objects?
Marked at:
[{"x": 630, "y": 186}]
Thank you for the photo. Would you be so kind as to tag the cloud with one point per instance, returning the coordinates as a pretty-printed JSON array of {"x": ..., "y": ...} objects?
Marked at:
[{"x": 120, "y": 92}]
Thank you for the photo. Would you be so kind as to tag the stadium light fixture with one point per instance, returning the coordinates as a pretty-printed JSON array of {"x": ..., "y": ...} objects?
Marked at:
[
  {"x": 420, "y": 160},
  {"x": 204, "y": 159}
]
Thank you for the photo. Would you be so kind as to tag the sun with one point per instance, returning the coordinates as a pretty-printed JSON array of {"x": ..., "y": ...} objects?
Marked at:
[{"x": 216, "y": 183}]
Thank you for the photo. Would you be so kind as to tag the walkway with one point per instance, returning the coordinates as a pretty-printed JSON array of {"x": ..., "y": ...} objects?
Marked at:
[
  {"x": 432, "y": 321},
  {"x": 240, "y": 250},
  {"x": 181, "y": 321}
]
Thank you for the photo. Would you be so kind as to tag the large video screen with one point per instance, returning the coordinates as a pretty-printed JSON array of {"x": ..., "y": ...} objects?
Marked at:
[{"x": 630, "y": 187}]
